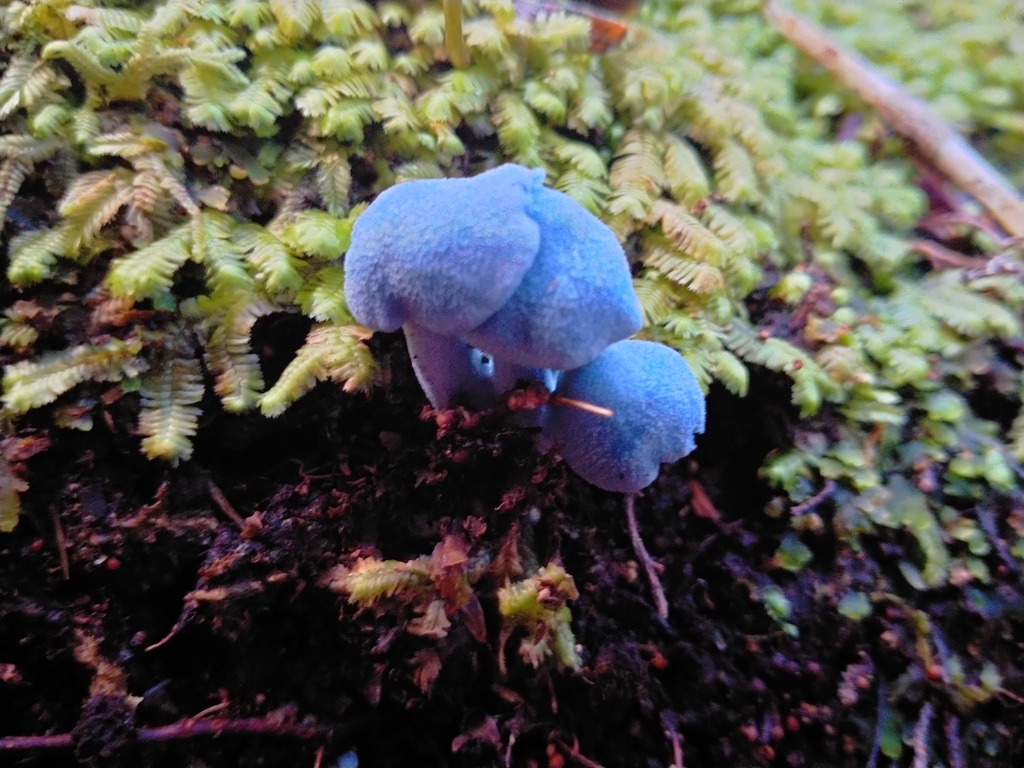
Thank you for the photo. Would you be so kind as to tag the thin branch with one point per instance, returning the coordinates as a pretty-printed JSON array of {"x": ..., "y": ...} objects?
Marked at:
[
  {"x": 224, "y": 505},
  {"x": 907, "y": 115},
  {"x": 220, "y": 707},
  {"x": 650, "y": 567},
  {"x": 942, "y": 225},
  {"x": 1010, "y": 695},
  {"x": 574, "y": 753},
  {"x": 178, "y": 626},
  {"x": 955, "y": 750},
  {"x": 883, "y": 706},
  {"x": 816, "y": 500},
  {"x": 271, "y": 726},
  {"x": 990, "y": 526},
  {"x": 670, "y": 723},
  {"x": 183, "y": 729},
  {"x": 942, "y": 257},
  {"x": 454, "y": 40},
  {"x": 26, "y": 743},
  {"x": 919, "y": 737},
  {"x": 62, "y": 545}
]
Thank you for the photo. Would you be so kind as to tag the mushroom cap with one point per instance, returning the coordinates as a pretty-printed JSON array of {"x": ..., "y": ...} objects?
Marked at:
[
  {"x": 444, "y": 254},
  {"x": 576, "y": 298},
  {"x": 658, "y": 408}
]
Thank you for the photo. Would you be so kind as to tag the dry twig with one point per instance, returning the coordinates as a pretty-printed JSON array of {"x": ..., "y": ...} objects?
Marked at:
[
  {"x": 183, "y": 729},
  {"x": 574, "y": 753},
  {"x": 919, "y": 737},
  {"x": 224, "y": 505},
  {"x": 908, "y": 116},
  {"x": 876, "y": 745},
  {"x": 62, "y": 545},
  {"x": 816, "y": 500},
  {"x": 670, "y": 723},
  {"x": 650, "y": 567},
  {"x": 956, "y": 750},
  {"x": 454, "y": 39},
  {"x": 942, "y": 257}
]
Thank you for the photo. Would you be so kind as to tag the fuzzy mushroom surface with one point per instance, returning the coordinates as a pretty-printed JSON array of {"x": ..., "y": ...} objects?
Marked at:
[
  {"x": 445, "y": 254},
  {"x": 495, "y": 264},
  {"x": 576, "y": 298},
  {"x": 658, "y": 409}
]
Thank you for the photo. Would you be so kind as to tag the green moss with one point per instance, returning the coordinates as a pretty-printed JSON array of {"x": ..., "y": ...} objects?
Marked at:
[{"x": 243, "y": 137}]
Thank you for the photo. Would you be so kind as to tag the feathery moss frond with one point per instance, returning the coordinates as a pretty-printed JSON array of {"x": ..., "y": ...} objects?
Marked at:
[
  {"x": 33, "y": 383},
  {"x": 34, "y": 254},
  {"x": 228, "y": 323},
  {"x": 636, "y": 176},
  {"x": 811, "y": 384},
  {"x": 685, "y": 176},
  {"x": 333, "y": 182},
  {"x": 331, "y": 353},
  {"x": 273, "y": 264},
  {"x": 169, "y": 417},
  {"x": 697, "y": 276},
  {"x": 349, "y": 19},
  {"x": 688, "y": 234},
  {"x": 16, "y": 75},
  {"x": 323, "y": 297},
  {"x": 91, "y": 203},
  {"x": 149, "y": 271},
  {"x": 370, "y": 579},
  {"x": 12, "y": 173},
  {"x": 518, "y": 129},
  {"x": 16, "y": 330},
  {"x": 318, "y": 234}
]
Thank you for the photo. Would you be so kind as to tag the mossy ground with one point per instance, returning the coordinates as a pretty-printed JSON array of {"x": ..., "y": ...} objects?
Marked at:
[
  {"x": 843, "y": 554},
  {"x": 344, "y": 475}
]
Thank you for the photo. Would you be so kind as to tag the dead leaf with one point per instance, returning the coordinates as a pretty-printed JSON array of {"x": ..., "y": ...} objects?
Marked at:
[
  {"x": 108, "y": 678},
  {"x": 473, "y": 616},
  {"x": 701, "y": 503},
  {"x": 487, "y": 733},
  {"x": 448, "y": 570},
  {"x": 9, "y": 674},
  {"x": 433, "y": 623},
  {"x": 427, "y": 667},
  {"x": 506, "y": 563},
  {"x": 16, "y": 449},
  {"x": 215, "y": 197}
]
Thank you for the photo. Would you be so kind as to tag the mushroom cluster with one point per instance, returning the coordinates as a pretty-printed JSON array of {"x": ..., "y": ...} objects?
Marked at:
[{"x": 495, "y": 279}]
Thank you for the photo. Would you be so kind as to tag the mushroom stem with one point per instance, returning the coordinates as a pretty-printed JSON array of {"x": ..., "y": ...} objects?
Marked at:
[
  {"x": 447, "y": 367},
  {"x": 650, "y": 566}
]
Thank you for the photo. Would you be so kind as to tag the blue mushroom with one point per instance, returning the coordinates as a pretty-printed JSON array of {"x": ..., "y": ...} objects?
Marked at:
[
  {"x": 496, "y": 264},
  {"x": 445, "y": 254},
  {"x": 658, "y": 407},
  {"x": 446, "y": 366},
  {"x": 576, "y": 298}
]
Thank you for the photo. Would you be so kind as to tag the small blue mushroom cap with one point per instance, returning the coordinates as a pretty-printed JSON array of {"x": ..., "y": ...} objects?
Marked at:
[
  {"x": 658, "y": 408},
  {"x": 444, "y": 254},
  {"x": 576, "y": 298}
]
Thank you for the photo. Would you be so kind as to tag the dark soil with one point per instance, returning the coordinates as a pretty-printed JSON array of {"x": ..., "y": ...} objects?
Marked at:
[{"x": 166, "y": 608}]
